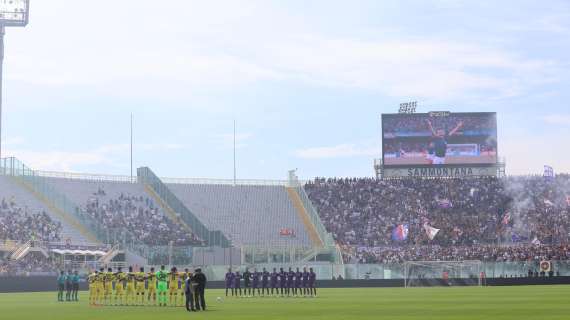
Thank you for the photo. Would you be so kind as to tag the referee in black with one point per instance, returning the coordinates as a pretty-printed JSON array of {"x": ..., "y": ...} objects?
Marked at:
[{"x": 199, "y": 281}]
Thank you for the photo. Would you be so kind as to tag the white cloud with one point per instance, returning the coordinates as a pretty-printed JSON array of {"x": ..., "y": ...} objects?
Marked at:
[
  {"x": 427, "y": 68},
  {"x": 338, "y": 151},
  {"x": 58, "y": 160},
  {"x": 557, "y": 119},
  {"x": 107, "y": 155},
  {"x": 189, "y": 51},
  {"x": 527, "y": 154}
]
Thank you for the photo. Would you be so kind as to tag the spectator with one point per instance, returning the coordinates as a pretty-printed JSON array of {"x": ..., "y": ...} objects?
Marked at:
[
  {"x": 138, "y": 216},
  {"x": 22, "y": 224},
  {"x": 474, "y": 215}
]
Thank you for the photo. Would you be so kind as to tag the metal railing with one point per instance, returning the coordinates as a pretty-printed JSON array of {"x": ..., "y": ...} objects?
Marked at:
[
  {"x": 96, "y": 177},
  {"x": 239, "y": 182}
]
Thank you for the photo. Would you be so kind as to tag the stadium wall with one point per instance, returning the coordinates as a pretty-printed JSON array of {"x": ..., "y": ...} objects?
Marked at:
[{"x": 48, "y": 283}]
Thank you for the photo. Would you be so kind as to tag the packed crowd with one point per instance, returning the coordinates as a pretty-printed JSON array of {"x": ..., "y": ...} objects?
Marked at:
[
  {"x": 487, "y": 253},
  {"x": 403, "y": 147},
  {"x": 139, "y": 217},
  {"x": 22, "y": 224},
  {"x": 473, "y": 215}
]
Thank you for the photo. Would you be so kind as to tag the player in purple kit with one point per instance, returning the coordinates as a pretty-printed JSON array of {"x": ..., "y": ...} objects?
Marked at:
[
  {"x": 290, "y": 281},
  {"x": 255, "y": 282},
  {"x": 264, "y": 282},
  {"x": 312, "y": 283},
  {"x": 305, "y": 282},
  {"x": 274, "y": 276},
  {"x": 229, "y": 282},
  {"x": 282, "y": 281},
  {"x": 298, "y": 278},
  {"x": 237, "y": 283}
]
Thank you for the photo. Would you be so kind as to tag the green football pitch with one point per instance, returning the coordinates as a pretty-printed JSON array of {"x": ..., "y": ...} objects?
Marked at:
[{"x": 531, "y": 302}]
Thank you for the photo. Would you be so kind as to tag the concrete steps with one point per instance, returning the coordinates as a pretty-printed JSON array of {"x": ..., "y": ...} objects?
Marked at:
[{"x": 304, "y": 216}]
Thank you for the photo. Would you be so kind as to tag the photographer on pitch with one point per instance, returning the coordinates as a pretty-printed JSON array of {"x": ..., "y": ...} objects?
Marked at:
[{"x": 198, "y": 281}]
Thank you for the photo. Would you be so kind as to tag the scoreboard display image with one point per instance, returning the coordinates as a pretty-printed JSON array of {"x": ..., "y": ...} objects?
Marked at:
[{"x": 439, "y": 138}]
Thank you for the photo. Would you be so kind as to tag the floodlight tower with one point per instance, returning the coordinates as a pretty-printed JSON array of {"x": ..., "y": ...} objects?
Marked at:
[{"x": 13, "y": 13}]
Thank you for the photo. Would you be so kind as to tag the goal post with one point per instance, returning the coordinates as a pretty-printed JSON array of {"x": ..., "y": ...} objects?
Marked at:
[{"x": 443, "y": 273}]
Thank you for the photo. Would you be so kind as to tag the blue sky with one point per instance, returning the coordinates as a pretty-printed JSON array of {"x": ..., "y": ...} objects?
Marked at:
[{"x": 306, "y": 82}]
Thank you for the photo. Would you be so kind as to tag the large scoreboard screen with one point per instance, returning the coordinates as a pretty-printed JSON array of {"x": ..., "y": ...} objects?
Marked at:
[{"x": 439, "y": 138}]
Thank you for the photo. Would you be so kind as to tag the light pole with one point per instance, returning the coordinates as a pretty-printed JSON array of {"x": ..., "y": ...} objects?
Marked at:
[{"x": 13, "y": 13}]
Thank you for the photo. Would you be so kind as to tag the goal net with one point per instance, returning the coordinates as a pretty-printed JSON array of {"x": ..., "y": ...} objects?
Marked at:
[{"x": 443, "y": 273}]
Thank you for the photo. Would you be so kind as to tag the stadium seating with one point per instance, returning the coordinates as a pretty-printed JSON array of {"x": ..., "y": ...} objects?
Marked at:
[
  {"x": 28, "y": 202},
  {"x": 491, "y": 219},
  {"x": 32, "y": 264},
  {"x": 248, "y": 215},
  {"x": 127, "y": 205}
]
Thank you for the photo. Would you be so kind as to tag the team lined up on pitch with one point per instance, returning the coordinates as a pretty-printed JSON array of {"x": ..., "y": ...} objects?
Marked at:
[
  {"x": 282, "y": 283},
  {"x": 138, "y": 288}
]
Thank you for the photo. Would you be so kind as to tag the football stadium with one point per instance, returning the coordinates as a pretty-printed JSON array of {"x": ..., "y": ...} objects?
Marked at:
[{"x": 422, "y": 217}]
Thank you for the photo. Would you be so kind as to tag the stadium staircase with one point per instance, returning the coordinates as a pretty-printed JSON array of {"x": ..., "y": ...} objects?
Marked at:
[
  {"x": 108, "y": 257},
  {"x": 123, "y": 256},
  {"x": 22, "y": 178},
  {"x": 176, "y": 207},
  {"x": 24, "y": 249},
  {"x": 18, "y": 250},
  {"x": 328, "y": 246},
  {"x": 304, "y": 216}
]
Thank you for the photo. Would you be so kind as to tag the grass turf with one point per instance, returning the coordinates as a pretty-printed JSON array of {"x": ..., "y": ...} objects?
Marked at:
[{"x": 530, "y": 302}]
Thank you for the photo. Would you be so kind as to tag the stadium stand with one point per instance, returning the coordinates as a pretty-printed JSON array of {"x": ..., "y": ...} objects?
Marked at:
[
  {"x": 513, "y": 219},
  {"x": 488, "y": 253},
  {"x": 33, "y": 263},
  {"x": 128, "y": 206},
  {"x": 483, "y": 218},
  {"x": 46, "y": 226},
  {"x": 249, "y": 215}
]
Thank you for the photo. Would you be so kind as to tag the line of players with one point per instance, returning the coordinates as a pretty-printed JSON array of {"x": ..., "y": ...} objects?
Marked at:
[
  {"x": 282, "y": 283},
  {"x": 137, "y": 288}
]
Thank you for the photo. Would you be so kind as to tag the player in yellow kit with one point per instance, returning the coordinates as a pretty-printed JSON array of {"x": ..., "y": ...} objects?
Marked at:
[
  {"x": 173, "y": 278},
  {"x": 120, "y": 278},
  {"x": 108, "y": 285},
  {"x": 130, "y": 287},
  {"x": 99, "y": 286},
  {"x": 140, "y": 278},
  {"x": 91, "y": 279},
  {"x": 151, "y": 287}
]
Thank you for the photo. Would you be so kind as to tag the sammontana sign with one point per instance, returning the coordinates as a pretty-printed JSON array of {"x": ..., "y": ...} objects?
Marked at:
[{"x": 440, "y": 172}]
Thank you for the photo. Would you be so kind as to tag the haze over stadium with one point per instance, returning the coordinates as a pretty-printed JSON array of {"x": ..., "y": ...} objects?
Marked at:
[{"x": 320, "y": 159}]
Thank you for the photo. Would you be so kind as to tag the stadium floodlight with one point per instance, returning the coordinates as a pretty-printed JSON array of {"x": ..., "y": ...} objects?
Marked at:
[
  {"x": 13, "y": 13},
  {"x": 408, "y": 107}
]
